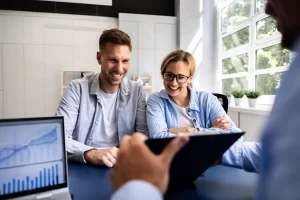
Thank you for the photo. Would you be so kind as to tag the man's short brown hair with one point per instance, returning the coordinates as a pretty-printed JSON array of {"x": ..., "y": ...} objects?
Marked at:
[{"x": 114, "y": 36}]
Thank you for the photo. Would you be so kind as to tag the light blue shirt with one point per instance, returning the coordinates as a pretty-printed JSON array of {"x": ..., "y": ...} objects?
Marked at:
[
  {"x": 204, "y": 108},
  {"x": 82, "y": 110},
  {"x": 280, "y": 174},
  {"x": 137, "y": 190}
]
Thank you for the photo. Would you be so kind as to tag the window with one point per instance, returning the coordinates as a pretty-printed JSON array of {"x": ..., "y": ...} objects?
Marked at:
[
  {"x": 251, "y": 56},
  {"x": 236, "y": 39}
]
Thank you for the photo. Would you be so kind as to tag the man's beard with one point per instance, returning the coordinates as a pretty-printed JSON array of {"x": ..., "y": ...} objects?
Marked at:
[
  {"x": 106, "y": 76},
  {"x": 289, "y": 39}
]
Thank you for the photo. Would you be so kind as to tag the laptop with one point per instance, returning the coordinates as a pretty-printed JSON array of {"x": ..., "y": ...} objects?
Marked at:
[
  {"x": 33, "y": 161},
  {"x": 202, "y": 151}
]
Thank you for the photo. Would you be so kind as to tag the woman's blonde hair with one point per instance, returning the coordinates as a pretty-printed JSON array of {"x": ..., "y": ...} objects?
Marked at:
[{"x": 179, "y": 55}]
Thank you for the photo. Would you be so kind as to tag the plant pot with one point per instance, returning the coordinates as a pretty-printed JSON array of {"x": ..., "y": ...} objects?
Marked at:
[
  {"x": 229, "y": 100},
  {"x": 252, "y": 102},
  {"x": 237, "y": 101}
]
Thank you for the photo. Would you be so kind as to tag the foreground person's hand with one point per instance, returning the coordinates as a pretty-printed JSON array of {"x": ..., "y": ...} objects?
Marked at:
[{"x": 137, "y": 162}]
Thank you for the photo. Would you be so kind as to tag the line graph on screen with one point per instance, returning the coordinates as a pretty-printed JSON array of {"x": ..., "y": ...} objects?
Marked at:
[{"x": 30, "y": 145}]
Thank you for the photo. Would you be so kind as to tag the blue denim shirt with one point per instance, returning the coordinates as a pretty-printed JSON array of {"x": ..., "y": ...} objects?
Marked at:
[
  {"x": 81, "y": 108},
  {"x": 280, "y": 176},
  {"x": 203, "y": 109}
]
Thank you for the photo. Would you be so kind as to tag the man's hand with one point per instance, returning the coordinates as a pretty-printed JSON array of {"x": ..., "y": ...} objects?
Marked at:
[
  {"x": 183, "y": 129},
  {"x": 137, "y": 162},
  {"x": 102, "y": 157},
  {"x": 222, "y": 123}
]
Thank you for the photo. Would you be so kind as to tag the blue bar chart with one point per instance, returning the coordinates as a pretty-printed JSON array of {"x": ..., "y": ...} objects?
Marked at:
[
  {"x": 41, "y": 145},
  {"x": 31, "y": 157},
  {"x": 30, "y": 177}
]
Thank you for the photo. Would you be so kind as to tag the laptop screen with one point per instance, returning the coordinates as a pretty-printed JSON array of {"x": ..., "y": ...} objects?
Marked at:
[{"x": 32, "y": 156}]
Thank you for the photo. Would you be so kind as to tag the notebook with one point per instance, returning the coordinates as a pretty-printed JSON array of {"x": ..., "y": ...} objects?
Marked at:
[
  {"x": 202, "y": 151},
  {"x": 33, "y": 161}
]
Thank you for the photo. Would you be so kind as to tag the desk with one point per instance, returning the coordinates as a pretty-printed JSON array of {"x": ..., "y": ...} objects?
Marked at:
[{"x": 220, "y": 182}]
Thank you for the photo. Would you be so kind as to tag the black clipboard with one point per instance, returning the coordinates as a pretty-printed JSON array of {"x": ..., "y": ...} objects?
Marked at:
[{"x": 194, "y": 158}]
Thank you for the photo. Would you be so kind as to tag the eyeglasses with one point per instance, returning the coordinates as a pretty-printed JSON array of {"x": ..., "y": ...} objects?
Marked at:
[{"x": 179, "y": 78}]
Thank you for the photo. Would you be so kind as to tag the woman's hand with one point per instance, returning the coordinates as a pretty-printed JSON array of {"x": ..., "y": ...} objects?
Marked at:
[
  {"x": 222, "y": 123},
  {"x": 183, "y": 129}
]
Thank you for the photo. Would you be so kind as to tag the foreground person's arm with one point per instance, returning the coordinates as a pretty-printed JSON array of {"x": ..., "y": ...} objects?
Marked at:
[{"x": 133, "y": 178}]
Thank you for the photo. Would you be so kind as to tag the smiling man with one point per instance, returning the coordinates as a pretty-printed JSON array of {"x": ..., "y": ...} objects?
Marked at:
[{"x": 99, "y": 109}]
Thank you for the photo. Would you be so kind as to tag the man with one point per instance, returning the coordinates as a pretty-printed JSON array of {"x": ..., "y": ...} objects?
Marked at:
[
  {"x": 99, "y": 109},
  {"x": 280, "y": 176}
]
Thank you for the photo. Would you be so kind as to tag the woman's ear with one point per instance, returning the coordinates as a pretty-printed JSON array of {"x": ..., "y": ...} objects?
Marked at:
[{"x": 190, "y": 81}]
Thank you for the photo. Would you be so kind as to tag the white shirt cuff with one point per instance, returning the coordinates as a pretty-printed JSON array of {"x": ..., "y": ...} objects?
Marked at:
[{"x": 137, "y": 189}]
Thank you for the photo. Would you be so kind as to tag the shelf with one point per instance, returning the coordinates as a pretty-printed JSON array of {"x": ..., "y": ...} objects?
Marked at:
[
  {"x": 146, "y": 80},
  {"x": 258, "y": 110},
  {"x": 147, "y": 87},
  {"x": 68, "y": 75},
  {"x": 145, "y": 77}
]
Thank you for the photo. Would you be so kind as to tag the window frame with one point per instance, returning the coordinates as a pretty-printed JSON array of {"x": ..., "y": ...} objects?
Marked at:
[{"x": 250, "y": 49}]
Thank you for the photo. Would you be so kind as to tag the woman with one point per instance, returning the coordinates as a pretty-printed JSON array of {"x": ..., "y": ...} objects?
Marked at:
[{"x": 180, "y": 108}]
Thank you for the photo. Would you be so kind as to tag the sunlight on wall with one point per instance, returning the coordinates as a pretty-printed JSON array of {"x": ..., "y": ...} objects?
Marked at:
[{"x": 198, "y": 26}]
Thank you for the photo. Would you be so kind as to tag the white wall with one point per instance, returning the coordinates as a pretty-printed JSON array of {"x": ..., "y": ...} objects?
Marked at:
[
  {"x": 153, "y": 37},
  {"x": 35, "y": 47},
  {"x": 197, "y": 20},
  {"x": 249, "y": 120}
]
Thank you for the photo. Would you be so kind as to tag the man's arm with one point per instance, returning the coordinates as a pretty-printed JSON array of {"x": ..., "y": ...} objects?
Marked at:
[
  {"x": 69, "y": 108},
  {"x": 137, "y": 189},
  {"x": 139, "y": 173},
  {"x": 244, "y": 155},
  {"x": 140, "y": 121}
]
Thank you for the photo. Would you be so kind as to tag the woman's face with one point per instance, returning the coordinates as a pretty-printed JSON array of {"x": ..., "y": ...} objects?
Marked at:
[{"x": 179, "y": 85}]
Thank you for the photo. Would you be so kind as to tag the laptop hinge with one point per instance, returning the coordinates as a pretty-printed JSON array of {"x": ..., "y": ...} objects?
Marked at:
[{"x": 44, "y": 195}]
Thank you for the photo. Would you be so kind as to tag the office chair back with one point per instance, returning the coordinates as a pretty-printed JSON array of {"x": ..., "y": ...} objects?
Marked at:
[{"x": 223, "y": 100}]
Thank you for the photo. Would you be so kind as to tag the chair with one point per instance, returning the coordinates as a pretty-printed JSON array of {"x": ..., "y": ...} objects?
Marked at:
[{"x": 223, "y": 100}]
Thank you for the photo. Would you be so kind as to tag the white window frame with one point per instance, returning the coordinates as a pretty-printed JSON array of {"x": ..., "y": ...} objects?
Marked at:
[{"x": 249, "y": 48}]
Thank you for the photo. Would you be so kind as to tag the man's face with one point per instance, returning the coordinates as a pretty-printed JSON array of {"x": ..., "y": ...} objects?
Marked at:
[
  {"x": 287, "y": 15},
  {"x": 114, "y": 60}
]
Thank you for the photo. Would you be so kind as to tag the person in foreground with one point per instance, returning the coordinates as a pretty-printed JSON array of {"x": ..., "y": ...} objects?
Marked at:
[
  {"x": 180, "y": 108},
  {"x": 140, "y": 174},
  {"x": 99, "y": 109},
  {"x": 280, "y": 176}
]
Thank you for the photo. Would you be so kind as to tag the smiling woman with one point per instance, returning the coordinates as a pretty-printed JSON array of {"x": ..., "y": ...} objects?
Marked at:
[{"x": 180, "y": 108}]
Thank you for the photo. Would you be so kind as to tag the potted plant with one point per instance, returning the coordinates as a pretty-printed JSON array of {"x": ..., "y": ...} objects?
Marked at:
[
  {"x": 228, "y": 95},
  {"x": 252, "y": 96},
  {"x": 237, "y": 94}
]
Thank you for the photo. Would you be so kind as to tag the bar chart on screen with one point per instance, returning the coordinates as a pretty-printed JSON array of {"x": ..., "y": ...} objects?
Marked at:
[
  {"x": 30, "y": 177},
  {"x": 27, "y": 145}
]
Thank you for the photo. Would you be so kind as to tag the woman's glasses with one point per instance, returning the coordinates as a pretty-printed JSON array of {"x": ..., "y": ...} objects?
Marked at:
[{"x": 179, "y": 78}]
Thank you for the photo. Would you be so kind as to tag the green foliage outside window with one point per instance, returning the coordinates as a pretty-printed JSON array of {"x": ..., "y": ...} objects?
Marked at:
[
  {"x": 269, "y": 57},
  {"x": 235, "y": 64},
  {"x": 268, "y": 84},
  {"x": 273, "y": 56},
  {"x": 235, "y": 13},
  {"x": 260, "y": 5}
]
